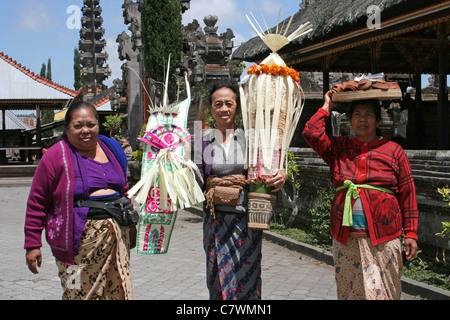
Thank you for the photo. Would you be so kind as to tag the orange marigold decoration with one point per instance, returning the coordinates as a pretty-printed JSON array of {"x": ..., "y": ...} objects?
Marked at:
[
  {"x": 275, "y": 70},
  {"x": 265, "y": 68}
]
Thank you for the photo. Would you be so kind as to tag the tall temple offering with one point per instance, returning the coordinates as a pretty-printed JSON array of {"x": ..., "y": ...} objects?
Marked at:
[
  {"x": 272, "y": 102},
  {"x": 168, "y": 179},
  {"x": 93, "y": 59}
]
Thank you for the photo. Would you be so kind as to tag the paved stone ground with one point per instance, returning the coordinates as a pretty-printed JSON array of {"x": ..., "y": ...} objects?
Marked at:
[{"x": 177, "y": 275}]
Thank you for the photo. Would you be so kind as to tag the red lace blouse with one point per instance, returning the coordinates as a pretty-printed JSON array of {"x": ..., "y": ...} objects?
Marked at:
[{"x": 381, "y": 163}]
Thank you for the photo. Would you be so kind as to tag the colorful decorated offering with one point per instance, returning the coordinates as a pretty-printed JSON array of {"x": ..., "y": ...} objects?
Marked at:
[
  {"x": 272, "y": 102},
  {"x": 168, "y": 175}
]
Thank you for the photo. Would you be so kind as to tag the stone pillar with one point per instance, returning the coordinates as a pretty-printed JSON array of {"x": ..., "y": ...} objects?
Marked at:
[{"x": 130, "y": 50}]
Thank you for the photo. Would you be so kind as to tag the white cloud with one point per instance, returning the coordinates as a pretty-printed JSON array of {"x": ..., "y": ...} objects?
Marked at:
[
  {"x": 266, "y": 7},
  {"x": 114, "y": 62},
  {"x": 267, "y": 12},
  {"x": 228, "y": 12},
  {"x": 32, "y": 17},
  {"x": 239, "y": 39}
]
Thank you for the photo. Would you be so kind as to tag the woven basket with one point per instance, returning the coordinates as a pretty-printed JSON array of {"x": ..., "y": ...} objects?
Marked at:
[{"x": 261, "y": 208}]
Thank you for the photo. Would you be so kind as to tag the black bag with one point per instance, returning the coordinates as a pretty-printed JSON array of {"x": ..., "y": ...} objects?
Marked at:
[{"x": 121, "y": 209}]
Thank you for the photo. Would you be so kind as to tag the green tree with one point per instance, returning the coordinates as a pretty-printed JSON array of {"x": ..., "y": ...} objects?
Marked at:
[
  {"x": 43, "y": 70},
  {"x": 162, "y": 36},
  {"x": 49, "y": 69},
  {"x": 47, "y": 116}
]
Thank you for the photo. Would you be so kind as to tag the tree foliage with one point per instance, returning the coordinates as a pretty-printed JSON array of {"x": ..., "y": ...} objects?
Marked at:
[
  {"x": 113, "y": 125},
  {"x": 49, "y": 69},
  {"x": 43, "y": 70},
  {"x": 293, "y": 172},
  {"x": 77, "y": 69},
  {"x": 162, "y": 36},
  {"x": 47, "y": 116}
]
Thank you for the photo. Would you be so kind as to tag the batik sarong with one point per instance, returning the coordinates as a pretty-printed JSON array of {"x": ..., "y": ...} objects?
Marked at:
[
  {"x": 367, "y": 272},
  {"x": 101, "y": 270},
  {"x": 233, "y": 257}
]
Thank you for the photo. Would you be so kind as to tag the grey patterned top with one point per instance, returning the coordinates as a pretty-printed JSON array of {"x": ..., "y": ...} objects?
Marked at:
[{"x": 229, "y": 162}]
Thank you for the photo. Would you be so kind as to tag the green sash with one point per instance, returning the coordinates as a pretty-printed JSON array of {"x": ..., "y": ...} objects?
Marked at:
[{"x": 352, "y": 191}]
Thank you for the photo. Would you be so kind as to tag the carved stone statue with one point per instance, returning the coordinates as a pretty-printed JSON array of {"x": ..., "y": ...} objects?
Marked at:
[
  {"x": 130, "y": 50},
  {"x": 185, "y": 5}
]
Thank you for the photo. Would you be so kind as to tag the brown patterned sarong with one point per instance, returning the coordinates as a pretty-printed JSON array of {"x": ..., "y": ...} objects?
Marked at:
[
  {"x": 367, "y": 272},
  {"x": 101, "y": 270}
]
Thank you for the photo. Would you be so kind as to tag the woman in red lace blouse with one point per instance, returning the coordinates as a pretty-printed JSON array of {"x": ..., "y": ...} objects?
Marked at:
[{"x": 374, "y": 204}]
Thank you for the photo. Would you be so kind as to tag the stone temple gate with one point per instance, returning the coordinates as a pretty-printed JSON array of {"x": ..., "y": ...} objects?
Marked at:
[{"x": 206, "y": 58}]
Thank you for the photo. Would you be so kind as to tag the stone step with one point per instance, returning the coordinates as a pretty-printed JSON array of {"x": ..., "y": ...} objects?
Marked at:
[
  {"x": 17, "y": 170},
  {"x": 423, "y": 162},
  {"x": 439, "y": 155},
  {"x": 434, "y": 174},
  {"x": 432, "y": 168},
  {"x": 431, "y": 162}
]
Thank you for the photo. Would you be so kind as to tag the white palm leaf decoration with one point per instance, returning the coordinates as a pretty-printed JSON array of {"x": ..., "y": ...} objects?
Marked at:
[{"x": 272, "y": 101}]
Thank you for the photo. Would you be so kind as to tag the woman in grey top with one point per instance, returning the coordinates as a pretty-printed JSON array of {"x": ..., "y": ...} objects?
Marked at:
[{"x": 233, "y": 251}]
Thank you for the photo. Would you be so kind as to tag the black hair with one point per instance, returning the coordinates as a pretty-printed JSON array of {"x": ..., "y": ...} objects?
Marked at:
[
  {"x": 233, "y": 86},
  {"x": 376, "y": 109},
  {"x": 72, "y": 108}
]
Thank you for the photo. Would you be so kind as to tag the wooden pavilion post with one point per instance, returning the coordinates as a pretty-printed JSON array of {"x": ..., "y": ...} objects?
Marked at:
[
  {"x": 442, "y": 106},
  {"x": 4, "y": 126},
  {"x": 326, "y": 74},
  {"x": 38, "y": 132},
  {"x": 418, "y": 57},
  {"x": 418, "y": 123},
  {"x": 326, "y": 82},
  {"x": 3, "y": 159},
  {"x": 375, "y": 54}
]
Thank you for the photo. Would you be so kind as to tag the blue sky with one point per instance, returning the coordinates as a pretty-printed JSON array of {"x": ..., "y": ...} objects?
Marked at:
[{"x": 35, "y": 30}]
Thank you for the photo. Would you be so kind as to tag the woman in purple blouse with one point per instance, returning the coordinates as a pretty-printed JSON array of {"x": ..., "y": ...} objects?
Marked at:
[{"x": 75, "y": 197}]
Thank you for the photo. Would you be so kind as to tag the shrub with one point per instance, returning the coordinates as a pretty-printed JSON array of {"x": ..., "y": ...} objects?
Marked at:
[{"x": 320, "y": 214}]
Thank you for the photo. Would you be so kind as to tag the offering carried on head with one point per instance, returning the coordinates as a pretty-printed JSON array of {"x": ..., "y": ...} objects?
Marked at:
[{"x": 366, "y": 87}]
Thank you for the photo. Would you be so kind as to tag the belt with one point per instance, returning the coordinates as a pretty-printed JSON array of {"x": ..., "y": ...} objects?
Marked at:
[
  {"x": 352, "y": 191},
  {"x": 99, "y": 204},
  {"x": 96, "y": 208},
  {"x": 119, "y": 208},
  {"x": 97, "y": 214}
]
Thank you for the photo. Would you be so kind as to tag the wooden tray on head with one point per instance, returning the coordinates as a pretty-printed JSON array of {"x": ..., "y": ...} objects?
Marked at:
[{"x": 380, "y": 94}]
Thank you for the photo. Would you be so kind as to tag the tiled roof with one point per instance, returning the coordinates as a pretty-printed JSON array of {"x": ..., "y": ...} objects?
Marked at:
[
  {"x": 37, "y": 78},
  {"x": 13, "y": 122},
  {"x": 101, "y": 102}
]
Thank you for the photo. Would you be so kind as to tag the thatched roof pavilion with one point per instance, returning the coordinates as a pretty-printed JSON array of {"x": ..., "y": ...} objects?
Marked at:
[{"x": 402, "y": 38}]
